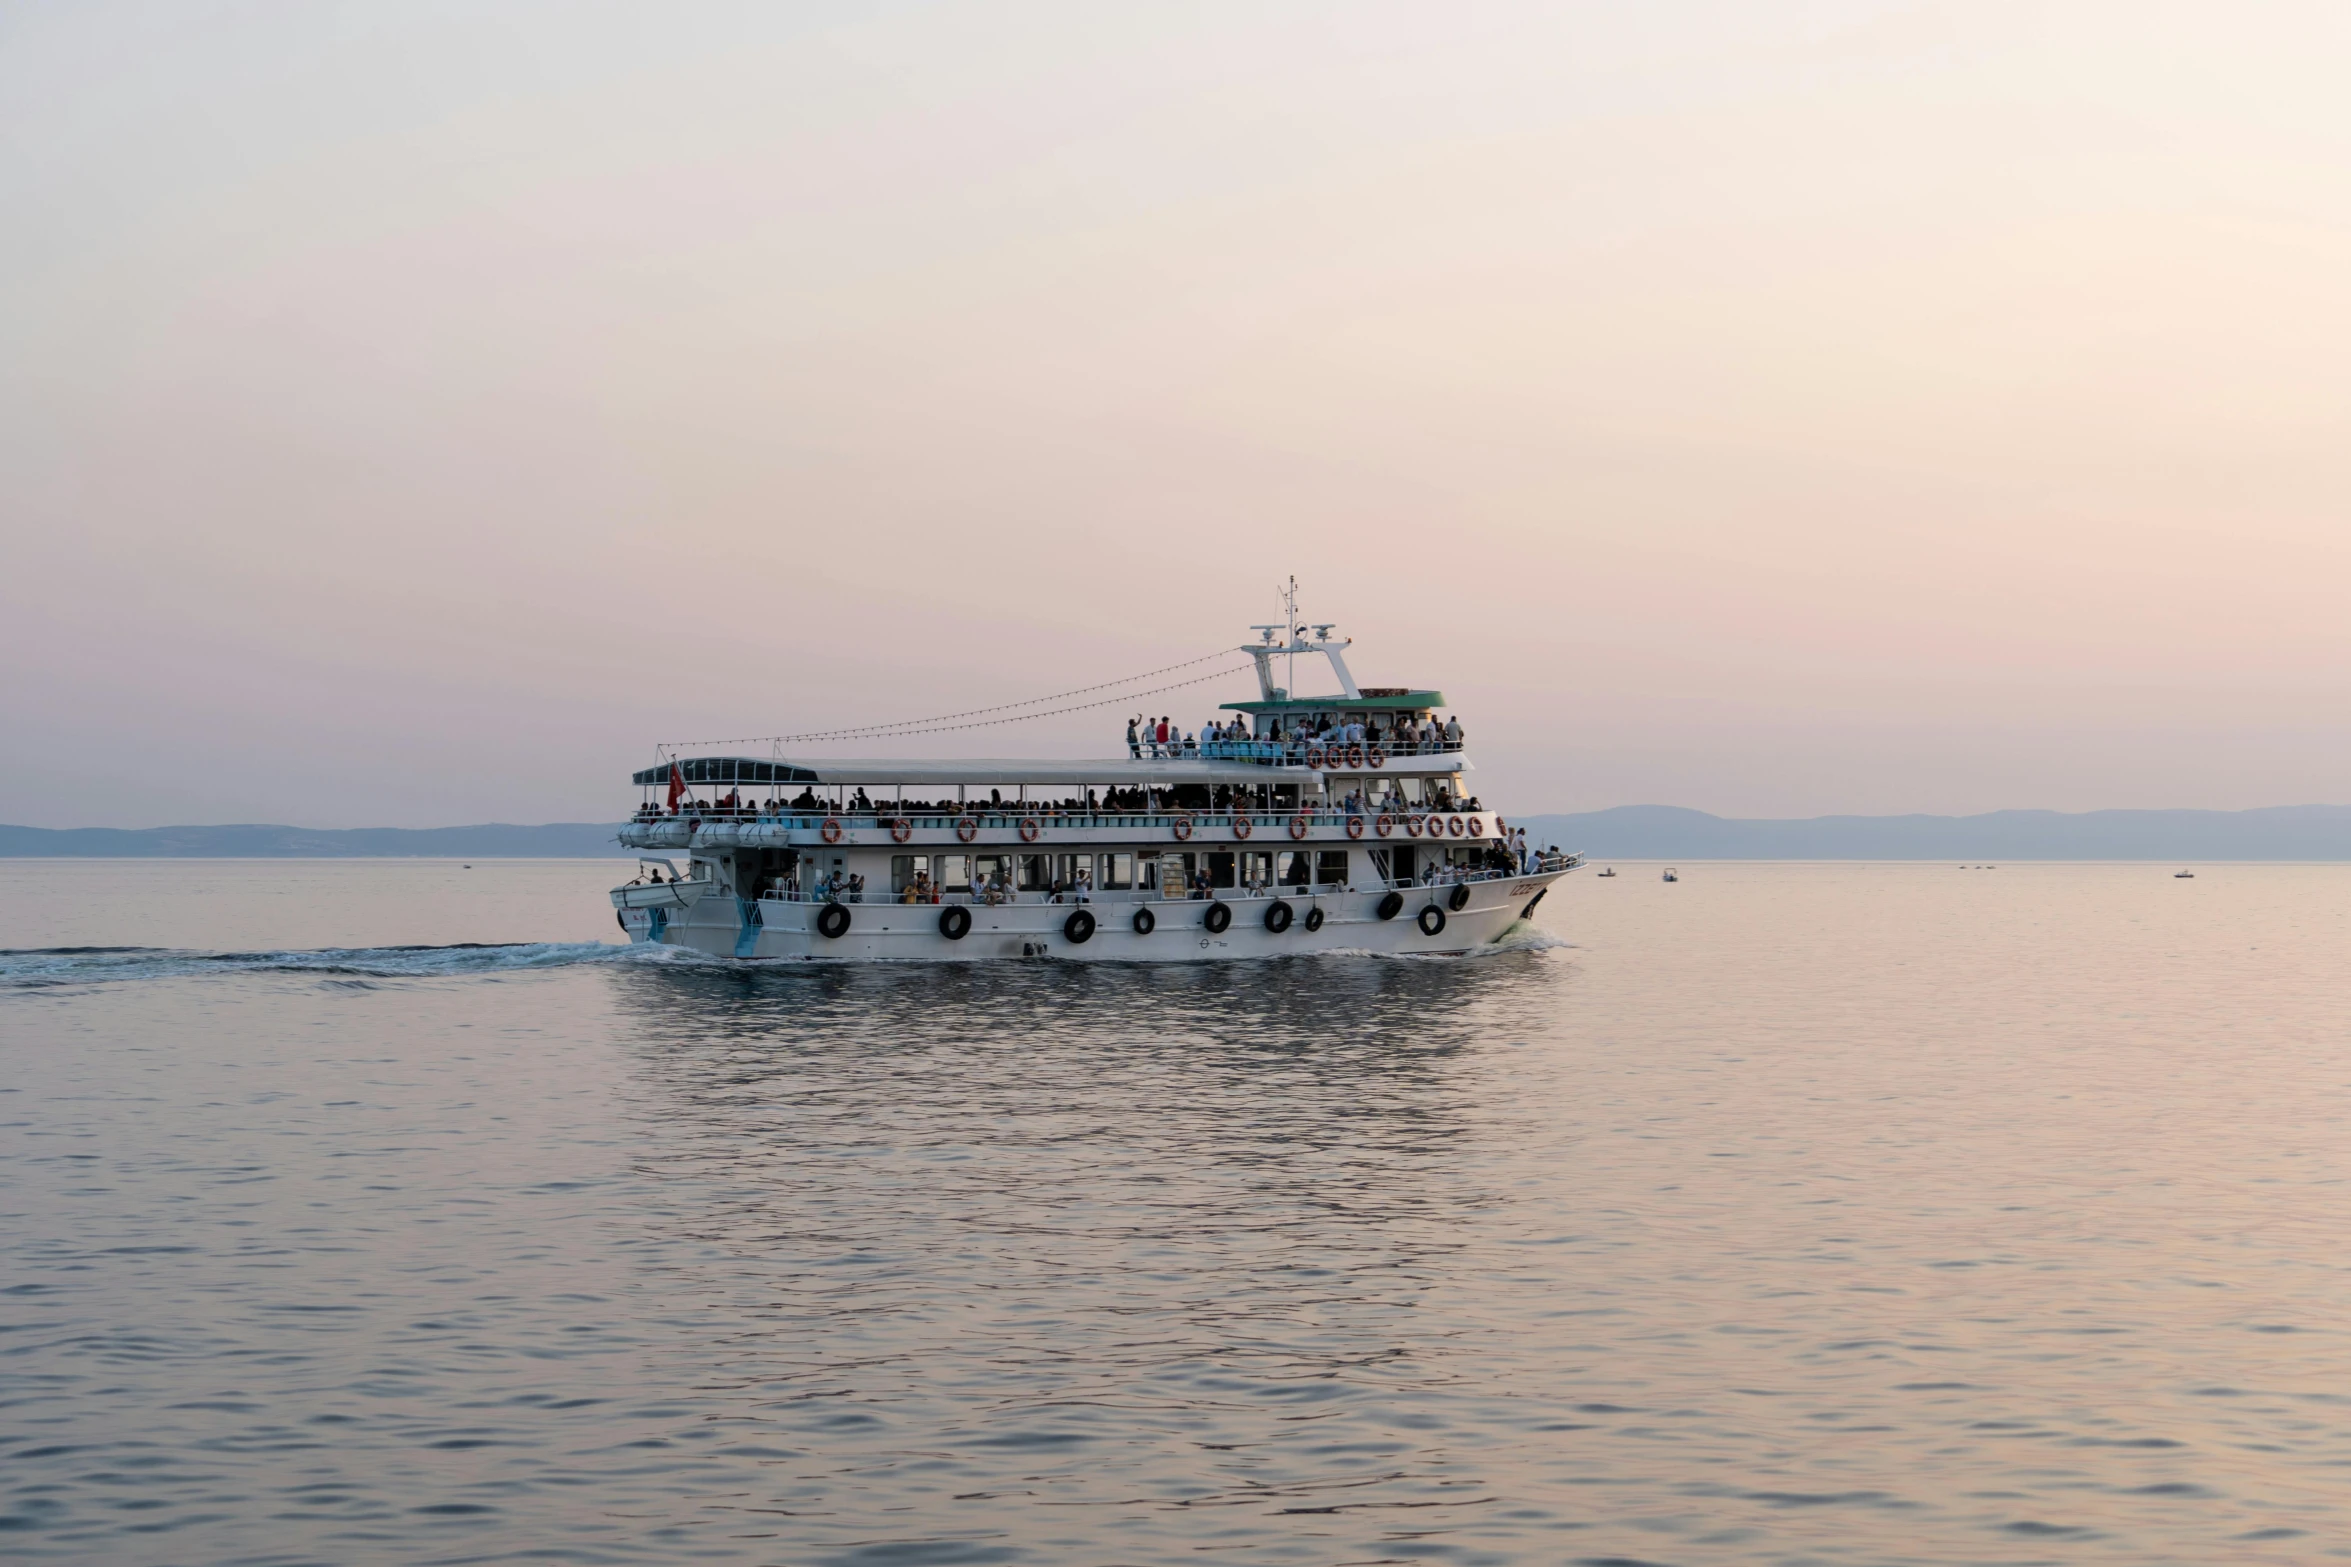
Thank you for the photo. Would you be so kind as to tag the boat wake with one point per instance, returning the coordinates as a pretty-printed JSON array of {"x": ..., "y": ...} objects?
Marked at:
[
  {"x": 1518, "y": 938},
  {"x": 45, "y": 967}
]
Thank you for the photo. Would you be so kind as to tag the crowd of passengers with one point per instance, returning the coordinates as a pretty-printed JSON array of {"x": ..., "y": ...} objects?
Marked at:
[
  {"x": 1223, "y": 798},
  {"x": 1161, "y": 738}
]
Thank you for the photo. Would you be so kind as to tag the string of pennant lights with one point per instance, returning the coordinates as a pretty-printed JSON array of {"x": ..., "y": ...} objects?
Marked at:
[{"x": 946, "y": 723}]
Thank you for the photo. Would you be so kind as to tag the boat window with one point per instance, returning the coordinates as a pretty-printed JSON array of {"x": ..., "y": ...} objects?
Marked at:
[
  {"x": 905, "y": 867},
  {"x": 1256, "y": 868},
  {"x": 1296, "y": 871},
  {"x": 953, "y": 872},
  {"x": 1118, "y": 871},
  {"x": 1036, "y": 870},
  {"x": 986, "y": 868},
  {"x": 1221, "y": 867},
  {"x": 1331, "y": 865}
]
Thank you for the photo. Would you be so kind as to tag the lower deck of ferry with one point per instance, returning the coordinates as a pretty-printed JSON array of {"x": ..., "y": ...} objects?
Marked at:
[{"x": 1181, "y": 914}]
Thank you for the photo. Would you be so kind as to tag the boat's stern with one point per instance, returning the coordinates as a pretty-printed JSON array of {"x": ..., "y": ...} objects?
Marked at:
[{"x": 649, "y": 905}]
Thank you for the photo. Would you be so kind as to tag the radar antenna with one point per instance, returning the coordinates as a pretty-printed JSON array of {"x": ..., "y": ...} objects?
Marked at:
[{"x": 1294, "y": 641}]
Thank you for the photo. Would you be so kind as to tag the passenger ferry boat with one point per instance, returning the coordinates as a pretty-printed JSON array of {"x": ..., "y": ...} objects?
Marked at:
[{"x": 1319, "y": 823}]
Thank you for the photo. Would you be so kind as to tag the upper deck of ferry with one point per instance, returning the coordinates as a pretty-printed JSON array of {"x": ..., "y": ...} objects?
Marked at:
[{"x": 1379, "y": 753}]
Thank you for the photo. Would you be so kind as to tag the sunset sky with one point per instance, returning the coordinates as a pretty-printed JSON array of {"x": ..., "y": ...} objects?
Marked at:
[{"x": 409, "y": 414}]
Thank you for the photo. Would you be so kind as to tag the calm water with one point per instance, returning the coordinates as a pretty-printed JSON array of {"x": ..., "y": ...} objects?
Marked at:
[{"x": 1789, "y": 1214}]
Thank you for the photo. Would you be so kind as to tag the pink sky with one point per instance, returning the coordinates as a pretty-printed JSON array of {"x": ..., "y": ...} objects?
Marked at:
[{"x": 409, "y": 415}]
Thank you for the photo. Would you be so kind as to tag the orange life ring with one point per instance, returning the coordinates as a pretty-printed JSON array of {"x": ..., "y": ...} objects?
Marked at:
[
  {"x": 1182, "y": 828},
  {"x": 901, "y": 830},
  {"x": 1299, "y": 825},
  {"x": 832, "y": 829},
  {"x": 968, "y": 828},
  {"x": 1029, "y": 829},
  {"x": 1453, "y": 825},
  {"x": 1314, "y": 756},
  {"x": 1385, "y": 825},
  {"x": 1354, "y": 826},
  {"x": 1477, "y": 829},
  {"x": 1355, "y": 756},
  {"x": 1412, "y": 826},
  {"x": 1376, "y": 756},
  {"x": 1242, "y": 826}
]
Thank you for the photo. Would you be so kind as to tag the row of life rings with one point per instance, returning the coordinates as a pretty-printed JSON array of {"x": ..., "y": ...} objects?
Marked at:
[
  {"x": 1435, "y": 826},
  {"x": 968, "y": 827},
  {"x": 1181, "y": 826},
  {"x": 1353, "y": 756}
]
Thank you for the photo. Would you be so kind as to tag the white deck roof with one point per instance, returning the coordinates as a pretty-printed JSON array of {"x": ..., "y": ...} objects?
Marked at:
[{"x": 1112, "y": 772}]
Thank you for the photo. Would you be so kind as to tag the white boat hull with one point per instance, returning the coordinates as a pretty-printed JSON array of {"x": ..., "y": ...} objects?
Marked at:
[{"x": 724, "y": 926}]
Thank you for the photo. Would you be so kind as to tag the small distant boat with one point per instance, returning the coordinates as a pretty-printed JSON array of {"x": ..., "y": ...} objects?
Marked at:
[
  {"x": 2183, "y": 875},
  {"x": 1608, "y": 872},
  {"x": 1671, "y": 874}
]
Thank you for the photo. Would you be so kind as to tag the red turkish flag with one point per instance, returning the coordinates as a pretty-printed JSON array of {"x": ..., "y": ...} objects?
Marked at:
[{"x": 677, "y": 787}]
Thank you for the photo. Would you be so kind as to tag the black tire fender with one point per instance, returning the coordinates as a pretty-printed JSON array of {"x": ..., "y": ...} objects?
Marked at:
[
  {"x": 1314, "y": 918},
  {"x": 833, "y": 923},
  {"x": 1145, "y": 922},
  {"x": 1078, "y": 929},
  {"x": 1277, "y": 916},
  {"x": 955, "y": 922},
  {"x": 1218, "y": 919},
  {"x": 1390, "y": 906},
  {"x": 1458, "y": 899},
  {"x": 1432, "y": 920}
]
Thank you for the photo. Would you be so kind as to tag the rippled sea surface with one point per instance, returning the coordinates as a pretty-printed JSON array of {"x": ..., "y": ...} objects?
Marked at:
[{"x": 1792, "y": 1213}]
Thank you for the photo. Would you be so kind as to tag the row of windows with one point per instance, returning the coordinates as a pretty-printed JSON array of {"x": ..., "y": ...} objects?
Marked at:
[{"x": 1166, "y": 869}]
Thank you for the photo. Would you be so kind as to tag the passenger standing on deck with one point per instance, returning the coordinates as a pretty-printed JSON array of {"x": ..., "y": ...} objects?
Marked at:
[{"x": 1134, "y": 741}]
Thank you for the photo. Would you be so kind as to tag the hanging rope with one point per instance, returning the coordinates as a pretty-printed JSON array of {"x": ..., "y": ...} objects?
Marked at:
[{"x": 945, "y": 723}]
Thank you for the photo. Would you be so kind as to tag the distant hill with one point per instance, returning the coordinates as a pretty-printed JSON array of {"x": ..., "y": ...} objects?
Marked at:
[
  {"x": 1629, "y": 832},
  {"x": 1665, "y": 832},
  {"x": 493, "y": 841}
]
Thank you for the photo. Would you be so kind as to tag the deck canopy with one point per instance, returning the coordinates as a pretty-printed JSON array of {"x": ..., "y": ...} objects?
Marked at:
[
  {"x": 726, "y": 769},
  {"x": 931, "y": 773}
]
